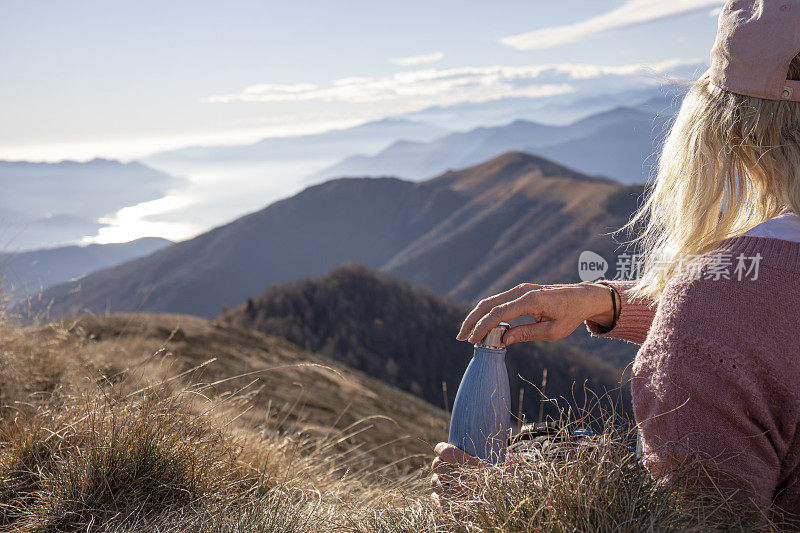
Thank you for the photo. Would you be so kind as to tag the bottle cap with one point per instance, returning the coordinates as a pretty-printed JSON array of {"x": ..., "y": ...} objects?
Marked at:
[{"x": 494, "y": 338}]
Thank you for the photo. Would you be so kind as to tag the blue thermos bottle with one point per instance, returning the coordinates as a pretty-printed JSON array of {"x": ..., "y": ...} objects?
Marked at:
[{"x": 481, "y": 417}]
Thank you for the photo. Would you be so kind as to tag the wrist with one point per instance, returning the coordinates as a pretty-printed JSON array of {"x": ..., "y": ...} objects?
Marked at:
[{"x": 600, "y": 308}]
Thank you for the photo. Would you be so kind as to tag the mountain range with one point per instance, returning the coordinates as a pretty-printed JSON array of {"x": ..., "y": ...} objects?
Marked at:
[
  {"x": 27, "y": 273},
  {"x": 464, "y": 234},
  {"x": 425, "y": 125},
  {"x": 370, "y": 136},
  {"x": 619, "y": 143},
  {"x": 556, "y": 109},
  {"x": 56, "y": 204},
  {"x": 227, "y": 181}
]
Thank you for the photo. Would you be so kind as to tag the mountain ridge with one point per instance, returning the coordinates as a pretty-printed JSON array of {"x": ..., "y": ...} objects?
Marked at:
[
  {"x": 25, "y": 273},
  {"x": 421, "y": 160},
  {"x": 465, "y": 234}
]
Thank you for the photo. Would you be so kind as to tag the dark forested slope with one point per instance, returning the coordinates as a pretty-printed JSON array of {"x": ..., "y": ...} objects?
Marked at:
[{"x": 406, "y": 336}]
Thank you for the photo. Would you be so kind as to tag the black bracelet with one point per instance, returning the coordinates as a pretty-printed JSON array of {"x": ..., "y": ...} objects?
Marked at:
[
  {"x": 613, "y": 308},
  {"x": 614, "y": 315}
]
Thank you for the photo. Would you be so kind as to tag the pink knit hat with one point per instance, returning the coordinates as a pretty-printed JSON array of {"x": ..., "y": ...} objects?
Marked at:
[{"x": 756, "y": 42}]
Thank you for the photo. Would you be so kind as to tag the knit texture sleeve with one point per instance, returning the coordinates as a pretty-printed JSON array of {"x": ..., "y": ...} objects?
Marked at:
[
  {"x": 635, "y": 316},
  {"x": 698, "y": 404}
]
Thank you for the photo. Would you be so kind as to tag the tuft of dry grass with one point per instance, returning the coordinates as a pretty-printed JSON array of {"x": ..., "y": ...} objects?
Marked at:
[
  {"x": 103, "y": 429},
  {"x": 100, "y": 461},
  {"x": 591, "y": 484}
]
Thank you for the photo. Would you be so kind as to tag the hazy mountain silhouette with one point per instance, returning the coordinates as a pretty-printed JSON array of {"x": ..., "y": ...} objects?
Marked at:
[
  {"x": 229, "y": 181},
  {"x": 423, "y": 125},
  {"x": 465, "y": 234},
  {"x": 368, "y": 137},
  {"x": 27, "y": 273},
  {"x": 406, "y": 337},
  {"x": 51, "y": 204},
  {"x": 557, "y": 109},
  {"x": 626, "y": 150},
  {"x": 628, "y": 138},
  {"x": 21, "y": 231}
]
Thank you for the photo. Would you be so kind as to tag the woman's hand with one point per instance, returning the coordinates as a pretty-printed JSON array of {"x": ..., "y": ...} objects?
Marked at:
[
  {"x": 453, "y": 473},
  {"x": 556, "y": 309}
]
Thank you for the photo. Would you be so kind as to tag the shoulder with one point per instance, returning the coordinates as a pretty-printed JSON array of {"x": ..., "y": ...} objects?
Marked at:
[
  {"x": 737, "y": 278},
  {"x": 689, "y": 297},
  {"x": 710, "y": 314},
  {"x": 704, "y": 307}
]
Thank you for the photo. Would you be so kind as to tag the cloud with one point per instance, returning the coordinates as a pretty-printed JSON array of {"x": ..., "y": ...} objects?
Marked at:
[
  {"x": 448, "y": 86},
  {"x": 631, "y": 13},
  {"x": 413, "y": 61}
]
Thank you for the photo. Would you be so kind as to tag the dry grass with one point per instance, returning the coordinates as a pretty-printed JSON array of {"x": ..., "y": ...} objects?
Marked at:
[
  {"x": 595, "y": 484},
  {"x": 120, "y": 424}
]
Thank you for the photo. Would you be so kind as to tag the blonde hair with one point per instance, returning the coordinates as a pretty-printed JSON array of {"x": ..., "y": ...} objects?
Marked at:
[{"x": 729, "y": 163}]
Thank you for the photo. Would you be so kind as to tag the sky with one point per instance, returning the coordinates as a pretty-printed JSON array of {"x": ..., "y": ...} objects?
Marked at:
[{"x": 89, "y": 78}]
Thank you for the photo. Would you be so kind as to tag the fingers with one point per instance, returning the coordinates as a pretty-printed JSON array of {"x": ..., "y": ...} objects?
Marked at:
[
  {"x": 448, "y": 453},
  {"x": 443, "y": 470},
  {"x": 448, "y": 460},
  {"x": 437, "y": 504},
  {"x": 503, "y": 313},
  {"x": 538, "y": 331},
  {"x": 440, "y": 467},
  {"x": 440, "y": 447},
  {"x": 445, "y": 492},
  {"x": 443, "y": 486},
  {"x": 449, "y": 480},
  {"x": 484, "y": 306}
]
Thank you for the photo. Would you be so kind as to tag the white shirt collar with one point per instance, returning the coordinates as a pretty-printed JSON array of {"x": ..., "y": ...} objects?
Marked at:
[{"x": 785, "y": 227}]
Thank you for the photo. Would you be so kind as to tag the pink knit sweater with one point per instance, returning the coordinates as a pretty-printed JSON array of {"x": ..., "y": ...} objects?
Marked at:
[{"x": 718, "y": 373}]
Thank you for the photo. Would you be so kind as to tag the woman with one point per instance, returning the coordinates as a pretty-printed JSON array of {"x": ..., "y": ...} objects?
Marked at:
[{"x": 717, "y": 377}]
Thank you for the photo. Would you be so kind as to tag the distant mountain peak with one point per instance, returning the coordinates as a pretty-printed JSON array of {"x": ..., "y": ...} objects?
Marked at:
[
  {"x": 511, "y": 169},
  {"x": 517, "y": 157}
]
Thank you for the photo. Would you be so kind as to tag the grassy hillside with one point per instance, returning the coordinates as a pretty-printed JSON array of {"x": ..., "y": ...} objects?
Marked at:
[
  {"x": 294, "y": 390},
  {"x": 167, "y": 424},
  {"x": 173, "y": 419},
  {"x": 406, "y": 337}
]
